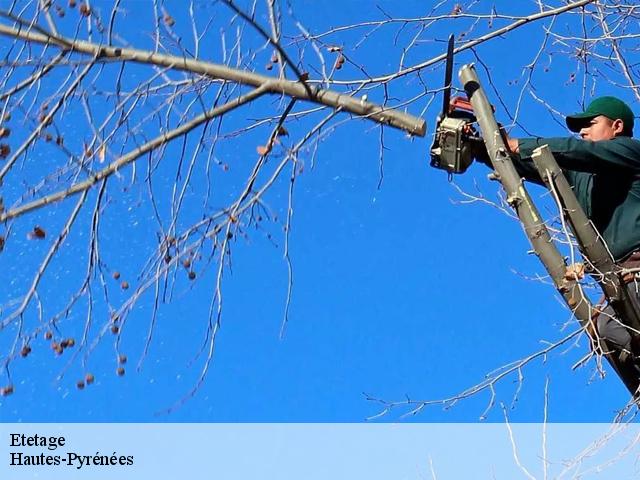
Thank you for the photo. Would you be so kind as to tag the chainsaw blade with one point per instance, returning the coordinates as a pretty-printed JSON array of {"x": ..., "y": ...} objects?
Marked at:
[{"x": 448, "y": 73}]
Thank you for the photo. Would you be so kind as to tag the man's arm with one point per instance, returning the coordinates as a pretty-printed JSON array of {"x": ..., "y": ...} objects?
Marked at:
[
  {"x": 524, "y": 167},
  {"x": 574, "y": 156},
  {"x": 620, "y": 153},
  {"x": 513, "y": 144}
]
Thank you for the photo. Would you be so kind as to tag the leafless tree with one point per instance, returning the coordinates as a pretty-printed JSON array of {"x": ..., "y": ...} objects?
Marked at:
[{"x": 114, "y": 107}]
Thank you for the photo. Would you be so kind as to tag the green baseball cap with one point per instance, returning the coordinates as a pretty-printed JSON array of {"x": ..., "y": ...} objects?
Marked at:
[{"x": 610, "y": 107}]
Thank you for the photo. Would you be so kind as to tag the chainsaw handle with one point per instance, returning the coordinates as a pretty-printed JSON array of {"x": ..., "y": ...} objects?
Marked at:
[{"x": 462, "y": 103}]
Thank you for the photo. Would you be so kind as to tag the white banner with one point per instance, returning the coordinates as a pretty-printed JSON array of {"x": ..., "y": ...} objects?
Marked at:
[{"x": 318, "y": 451}]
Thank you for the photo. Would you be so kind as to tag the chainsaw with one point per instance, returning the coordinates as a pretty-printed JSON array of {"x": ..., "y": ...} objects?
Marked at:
[{"x": 455, "y": 136}]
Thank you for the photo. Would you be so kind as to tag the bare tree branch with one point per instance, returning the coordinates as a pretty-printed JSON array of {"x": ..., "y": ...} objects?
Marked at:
[{"x": 298, "y": 90}]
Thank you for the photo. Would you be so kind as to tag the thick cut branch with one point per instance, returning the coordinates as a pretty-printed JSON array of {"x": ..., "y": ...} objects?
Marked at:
[
  {"x": 518, "y": 198},
  {"x": 298, "y": 90}
]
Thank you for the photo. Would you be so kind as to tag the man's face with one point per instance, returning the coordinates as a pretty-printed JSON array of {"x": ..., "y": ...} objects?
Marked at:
[{"x": 601, "y": 128}]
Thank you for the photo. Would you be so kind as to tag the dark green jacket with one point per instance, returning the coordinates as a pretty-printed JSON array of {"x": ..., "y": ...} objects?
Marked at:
[{"x": 605, "y": 176}]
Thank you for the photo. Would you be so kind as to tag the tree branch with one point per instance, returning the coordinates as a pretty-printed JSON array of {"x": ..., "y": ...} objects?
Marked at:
[
  {"x": 134, "y": 155},
  {"x": 297, "y": 90},
  {"x": 470, "y": 44}
]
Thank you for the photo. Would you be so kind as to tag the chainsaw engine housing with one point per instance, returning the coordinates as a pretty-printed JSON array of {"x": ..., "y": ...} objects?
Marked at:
[{"x": 452, "y": 146}]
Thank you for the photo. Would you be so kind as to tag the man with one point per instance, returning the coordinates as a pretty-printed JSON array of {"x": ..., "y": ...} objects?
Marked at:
[{"x": 603, "y": 167}]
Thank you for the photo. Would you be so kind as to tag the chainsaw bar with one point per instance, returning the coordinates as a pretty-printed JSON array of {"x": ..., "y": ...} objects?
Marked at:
[{"x": 448, "y": 74}]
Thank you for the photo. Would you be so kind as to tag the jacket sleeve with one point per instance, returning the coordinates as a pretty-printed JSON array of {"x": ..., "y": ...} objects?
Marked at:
[
  {"x": 586, "y": 156},
  {"x": 524, "y": 166}
]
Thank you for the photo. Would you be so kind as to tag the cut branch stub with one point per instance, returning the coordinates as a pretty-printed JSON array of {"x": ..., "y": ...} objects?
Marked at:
[{"x": 527, "y": 212}]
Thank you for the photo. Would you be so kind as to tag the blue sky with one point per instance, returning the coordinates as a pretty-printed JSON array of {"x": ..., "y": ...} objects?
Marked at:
[{"x": 399, "y": 291}]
